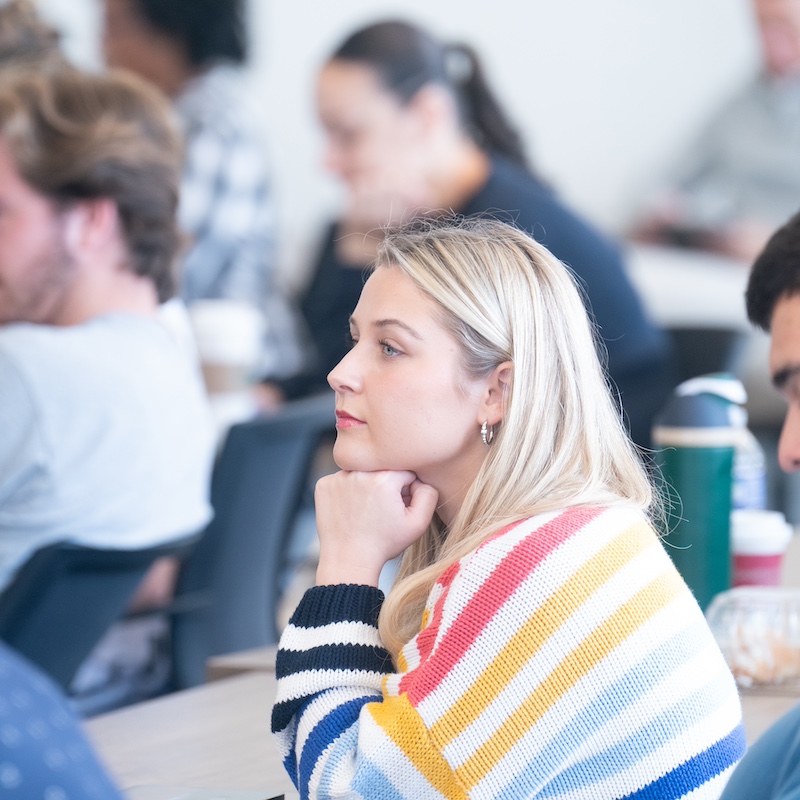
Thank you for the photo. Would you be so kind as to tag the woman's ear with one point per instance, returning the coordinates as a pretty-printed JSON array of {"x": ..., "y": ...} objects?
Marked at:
[
  {"x": 433, "y": 107},
  {"x": 497, "y": 386}
]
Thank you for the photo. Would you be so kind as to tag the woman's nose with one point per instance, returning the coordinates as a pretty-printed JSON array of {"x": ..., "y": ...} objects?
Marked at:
[{"x": 345, "y": 376}]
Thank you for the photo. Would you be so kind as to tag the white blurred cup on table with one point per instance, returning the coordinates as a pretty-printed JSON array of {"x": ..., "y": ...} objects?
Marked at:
[
  {"x": 759, "y": 539},
  {"x": 229, "y": 337}
]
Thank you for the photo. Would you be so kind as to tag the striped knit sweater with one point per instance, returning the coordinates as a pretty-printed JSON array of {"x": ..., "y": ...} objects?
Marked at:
[{"x": 564, "y": 658}]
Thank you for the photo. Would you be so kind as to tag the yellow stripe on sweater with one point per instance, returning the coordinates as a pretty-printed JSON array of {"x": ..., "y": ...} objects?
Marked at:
[
  {"x": 403, "y": 725},
  {"x": 625, "y": 621},
  {"x": 540, "y": 626}
]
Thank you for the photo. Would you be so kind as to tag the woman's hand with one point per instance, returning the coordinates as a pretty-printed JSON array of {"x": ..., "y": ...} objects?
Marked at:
[{"x": 365, "y": 519}]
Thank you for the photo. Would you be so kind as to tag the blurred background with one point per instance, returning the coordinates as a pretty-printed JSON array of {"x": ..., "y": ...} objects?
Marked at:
[{"x": 606, "y": 92}]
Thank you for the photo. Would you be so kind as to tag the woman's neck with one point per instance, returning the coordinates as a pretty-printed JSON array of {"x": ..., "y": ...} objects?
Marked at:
[{"x": 461, "y": 170}]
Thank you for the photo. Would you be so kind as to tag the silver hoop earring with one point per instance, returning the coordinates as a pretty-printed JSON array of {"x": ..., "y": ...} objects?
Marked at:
[{"x": 487, "y": 433}]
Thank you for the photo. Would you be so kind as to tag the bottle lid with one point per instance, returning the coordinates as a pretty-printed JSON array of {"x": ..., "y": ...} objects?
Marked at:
[
  {"x": 703, "y": 412},
  {"x": 722, "y": 384}
]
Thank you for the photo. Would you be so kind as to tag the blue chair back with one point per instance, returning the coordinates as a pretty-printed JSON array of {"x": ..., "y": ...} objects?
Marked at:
[
  {"x": 229, "y": 589},
  {"x": 66, "y": 596}
]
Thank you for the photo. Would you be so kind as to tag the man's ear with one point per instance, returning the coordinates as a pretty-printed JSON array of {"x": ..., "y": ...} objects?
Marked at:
[
  {"x": 90, "y": 225},
  {"x": 497, "y": 385}
]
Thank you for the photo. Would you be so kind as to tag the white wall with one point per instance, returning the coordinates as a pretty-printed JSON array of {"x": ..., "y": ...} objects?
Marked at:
[{"x": 605, "y": 91}]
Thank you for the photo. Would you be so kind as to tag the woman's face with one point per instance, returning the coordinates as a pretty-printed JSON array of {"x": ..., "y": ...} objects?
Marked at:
[
  {"x": 403, "y": 401},
  {"x": 370, "y": 134}
]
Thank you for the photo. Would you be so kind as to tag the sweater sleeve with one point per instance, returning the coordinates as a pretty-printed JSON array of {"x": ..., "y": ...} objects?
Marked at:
[
  {"x": 565, "y": 656},
  {"x": 339, "y": 733}
]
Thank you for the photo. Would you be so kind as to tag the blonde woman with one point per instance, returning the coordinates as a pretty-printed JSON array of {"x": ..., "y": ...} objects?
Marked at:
[{"x": 538, "y": 641}]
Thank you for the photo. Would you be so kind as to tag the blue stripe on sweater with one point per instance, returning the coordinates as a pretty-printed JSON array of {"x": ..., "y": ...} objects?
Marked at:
[
  {"x": 628, "y": 689},
  {"x": 372, "y": 783},
  {"x": 328, "y": 730},
  {"x": 696, "y": 771},
  {"x": 369, "y": 780},
  {"x": 627, "y": 753}
]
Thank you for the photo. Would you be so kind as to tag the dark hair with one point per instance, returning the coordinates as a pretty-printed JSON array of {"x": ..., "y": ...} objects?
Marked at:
[
  {"x": 77, "y": 136},
  {"x": 210, "y": 29},
  {"x": 775, "y": 274},
  {"x": 407, "y": 58}
]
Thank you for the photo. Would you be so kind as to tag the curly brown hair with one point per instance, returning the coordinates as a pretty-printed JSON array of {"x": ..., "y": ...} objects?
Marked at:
[{"x": 77, "y": 136}]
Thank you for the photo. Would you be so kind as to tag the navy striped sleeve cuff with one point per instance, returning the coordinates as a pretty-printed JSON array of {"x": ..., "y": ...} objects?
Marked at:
[{"x": 324, "y": 605}]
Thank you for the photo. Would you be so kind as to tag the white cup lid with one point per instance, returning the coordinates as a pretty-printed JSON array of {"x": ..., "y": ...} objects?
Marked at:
[
  {"x": 759, "y": 532},
  {"x": 226, "y": 331}
]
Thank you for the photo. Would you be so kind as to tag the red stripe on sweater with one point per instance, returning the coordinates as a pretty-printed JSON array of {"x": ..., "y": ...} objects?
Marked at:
[
  {"x": 492, "y": 593},
  {"x": 427, "y": 638}
]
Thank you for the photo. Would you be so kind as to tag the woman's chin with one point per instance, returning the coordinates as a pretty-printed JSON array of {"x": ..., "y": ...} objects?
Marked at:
[{"x": 347, "y": 459}]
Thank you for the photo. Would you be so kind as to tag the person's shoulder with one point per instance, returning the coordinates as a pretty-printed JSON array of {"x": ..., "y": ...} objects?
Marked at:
[
  {"x": 510, "y": 182},
  {"x": 23, "y": 334},
  {"x": 559, "y": 553},
  {"x": 514, "y": 195},
  {"x": 563, "y": 524},
  {"x": 565, "y": 537},
  {"x": 27, "y": 344}
]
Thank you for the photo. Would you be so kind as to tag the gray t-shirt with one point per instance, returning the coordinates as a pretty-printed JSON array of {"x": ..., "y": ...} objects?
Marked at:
[
  {"x": 746, "y": 162},
  {"x": 105, "y": 437}
]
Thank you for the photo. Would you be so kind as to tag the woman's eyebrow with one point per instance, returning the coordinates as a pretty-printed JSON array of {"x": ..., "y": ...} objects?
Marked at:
[{"x": 387, "y": 323}]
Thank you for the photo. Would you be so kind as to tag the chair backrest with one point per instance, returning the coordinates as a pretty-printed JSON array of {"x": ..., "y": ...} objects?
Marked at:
[
  {"x": 703, "y": 350},
  {"x": 66, "y": 596},
  {"x": 228, "y": 590}
]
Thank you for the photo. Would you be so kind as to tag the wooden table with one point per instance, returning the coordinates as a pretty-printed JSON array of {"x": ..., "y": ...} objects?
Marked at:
[
  {"x": 760, "y": 710},
  {"x": 259, "y": 659},
  {"x": 216, "y": 735}
]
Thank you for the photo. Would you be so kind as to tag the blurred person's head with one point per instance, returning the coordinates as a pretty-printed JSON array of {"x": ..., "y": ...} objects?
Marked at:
[
  {"x": 516, "y": 323},
  {"x": 779, "y": 29},
  {"x": 170, "y": 41},
  {"x": 773, "y": 304},
  {"x": 24, "y": 37},
  {"x": 89, "y": 171},
  {"x": 392, "y": 89}
]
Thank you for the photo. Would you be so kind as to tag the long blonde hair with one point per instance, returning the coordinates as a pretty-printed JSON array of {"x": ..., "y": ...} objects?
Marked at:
[{"x": 561, "y": 442}]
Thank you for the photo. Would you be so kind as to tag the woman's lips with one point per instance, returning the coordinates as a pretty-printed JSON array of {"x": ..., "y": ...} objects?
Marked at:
[{"x": 344, "y": 420}]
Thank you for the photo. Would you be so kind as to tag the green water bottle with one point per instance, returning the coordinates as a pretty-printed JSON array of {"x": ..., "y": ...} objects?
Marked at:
[{"x": 695, "y": 438}]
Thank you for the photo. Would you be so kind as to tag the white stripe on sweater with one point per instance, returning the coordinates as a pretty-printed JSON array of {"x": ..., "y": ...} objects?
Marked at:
[
  {"x": 301, "y": 639},
  {"x": 506, "y": 624}
]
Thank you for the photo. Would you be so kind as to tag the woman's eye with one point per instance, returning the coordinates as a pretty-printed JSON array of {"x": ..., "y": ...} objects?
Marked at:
[
  {"x": 388, "y": 350},
  {"x": 350, "y": 340}
]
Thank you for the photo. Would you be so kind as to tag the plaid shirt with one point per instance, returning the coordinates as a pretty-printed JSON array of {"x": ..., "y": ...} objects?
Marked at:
[{"x": 226, "y": 209}]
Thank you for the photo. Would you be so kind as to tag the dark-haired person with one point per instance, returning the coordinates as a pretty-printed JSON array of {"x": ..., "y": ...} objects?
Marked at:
[
  {"x": 193, "y": 50},
  {"x": 412, "y": 125},
  {"x": 773, "y": 303},
  {"x": 771, "y": 768},
  {"x": 105, "y": 433}
]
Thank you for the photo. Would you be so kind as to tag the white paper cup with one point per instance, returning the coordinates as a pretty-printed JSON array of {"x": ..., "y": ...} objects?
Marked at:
[
  {"x": 228, "y": 336},
  {"x": 759, "y": 540}
]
